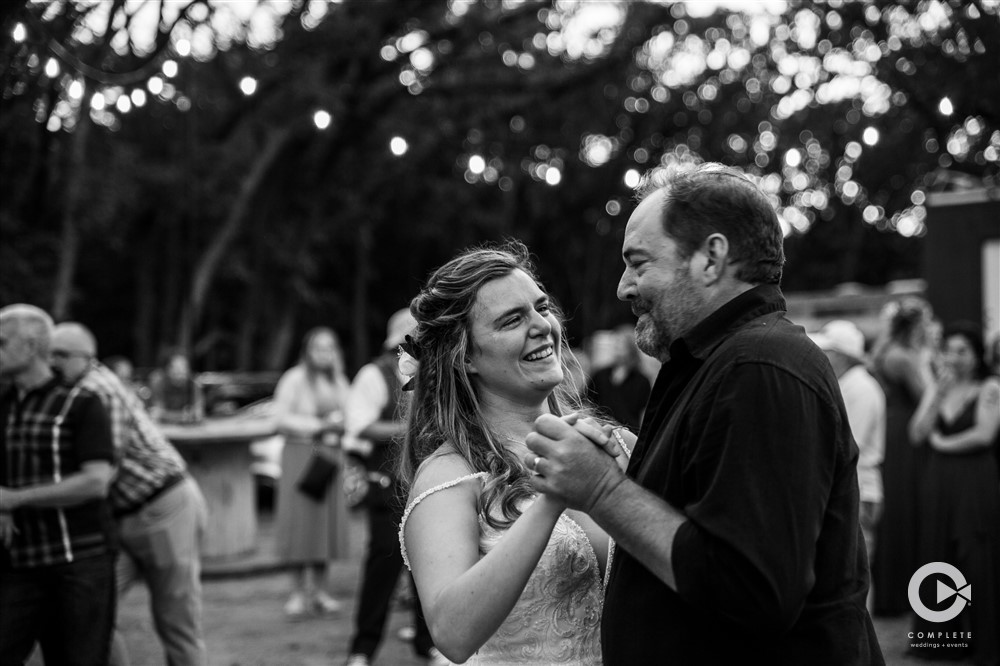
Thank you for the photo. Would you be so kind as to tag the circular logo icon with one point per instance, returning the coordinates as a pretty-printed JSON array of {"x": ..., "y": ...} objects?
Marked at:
[{"x": 960, "y": 589}]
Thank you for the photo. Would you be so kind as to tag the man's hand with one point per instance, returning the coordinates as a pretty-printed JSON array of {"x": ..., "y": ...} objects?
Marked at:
[
  {"x": 9, "y": 499},
  {"x": 567, "y": 463},
  {"x": 7, "y": 529},
  {"x": 601, "y": 435}
]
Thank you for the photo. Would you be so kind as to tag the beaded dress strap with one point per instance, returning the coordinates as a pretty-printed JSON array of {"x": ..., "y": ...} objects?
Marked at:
[{"x": 419, "y": 498}]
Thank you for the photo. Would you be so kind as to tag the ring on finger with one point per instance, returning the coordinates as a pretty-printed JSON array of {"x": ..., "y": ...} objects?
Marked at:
[{"x": 534, "y": 464}]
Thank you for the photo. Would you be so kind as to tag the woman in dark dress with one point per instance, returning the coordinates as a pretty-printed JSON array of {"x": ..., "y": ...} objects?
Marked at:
[
  {"x": 902, "y": 365},
  {"x": 957, "y": 421}
]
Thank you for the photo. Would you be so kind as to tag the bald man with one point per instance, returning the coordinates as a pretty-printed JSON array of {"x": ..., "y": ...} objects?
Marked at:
[
  {"x": 158, "y": 508},
  {"x": 57, "y": 563}
]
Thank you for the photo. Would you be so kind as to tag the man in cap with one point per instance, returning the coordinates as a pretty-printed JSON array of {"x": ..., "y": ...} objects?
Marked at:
[
  {"x": 864, "y": 399},
  {"x": 373, "y": 426},
  {"x": 57, "y": 566},
  {"x": 158, "y": 508}
]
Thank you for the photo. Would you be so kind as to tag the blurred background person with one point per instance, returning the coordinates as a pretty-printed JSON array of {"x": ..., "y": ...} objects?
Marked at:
[
  {"x": 309, "y": 402},
  {"x": 956, "y": 422},
  {"x": 375, "y": 426},
  {"x": 57, "y": 560},
  {"x": 844, "y": 344},
  {"x": 125, "y": 372},
  {"x": 158, "y": 509},
  {"x": 175, "y": 395},
  {"x": 902, "y": 366},
  {"x": 621, "y": 388}
]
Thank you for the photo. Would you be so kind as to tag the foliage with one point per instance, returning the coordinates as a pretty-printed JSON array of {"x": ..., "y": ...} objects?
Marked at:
[{"x": 183, "y": 174}]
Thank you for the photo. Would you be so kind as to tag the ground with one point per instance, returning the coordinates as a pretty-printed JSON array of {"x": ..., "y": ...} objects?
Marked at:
[{"x": 244, "y": 625}]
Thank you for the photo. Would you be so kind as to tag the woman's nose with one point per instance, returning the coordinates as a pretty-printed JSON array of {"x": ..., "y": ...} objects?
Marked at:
[{"x": 540, "y": 325}]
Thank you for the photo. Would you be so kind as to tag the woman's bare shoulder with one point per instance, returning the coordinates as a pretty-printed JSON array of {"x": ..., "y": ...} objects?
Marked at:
[{"x": 443, "y": 466}]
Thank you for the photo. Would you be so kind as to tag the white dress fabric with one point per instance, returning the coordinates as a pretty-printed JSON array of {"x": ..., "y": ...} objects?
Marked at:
[{"x": 557, "y": 619}]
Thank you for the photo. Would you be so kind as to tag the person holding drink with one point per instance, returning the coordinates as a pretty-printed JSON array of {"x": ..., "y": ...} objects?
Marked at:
[{"x": 311, "y": 526}]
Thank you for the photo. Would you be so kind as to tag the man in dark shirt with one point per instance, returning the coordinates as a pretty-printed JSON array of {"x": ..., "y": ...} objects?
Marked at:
[
  {"x": 737, "y": 521},
  {"x": 57, "y": 574}
]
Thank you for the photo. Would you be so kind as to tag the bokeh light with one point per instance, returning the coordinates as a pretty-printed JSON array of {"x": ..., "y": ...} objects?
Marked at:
[
  {"x": 322, "y": 119},
  {"x": 248, "y": 85},
  {"x": 632, "y": 178},
  {"x": 398, "y": 145}
]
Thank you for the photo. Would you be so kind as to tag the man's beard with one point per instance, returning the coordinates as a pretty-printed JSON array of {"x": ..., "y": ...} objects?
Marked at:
[{"x": 671, "y": 317}]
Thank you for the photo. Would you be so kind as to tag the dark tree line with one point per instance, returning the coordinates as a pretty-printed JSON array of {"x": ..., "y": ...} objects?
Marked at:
[{"x": 255, "y": 191}]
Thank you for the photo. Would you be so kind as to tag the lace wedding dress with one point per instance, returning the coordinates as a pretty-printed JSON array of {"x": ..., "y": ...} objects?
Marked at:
[{"x": 557, "y": 619}]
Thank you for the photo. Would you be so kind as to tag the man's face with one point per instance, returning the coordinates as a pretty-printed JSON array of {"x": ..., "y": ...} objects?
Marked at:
[
  {"x": 16, "y": 351},
  {"x": 657, "y": 282},
  {"x": 71, "y": 356}
]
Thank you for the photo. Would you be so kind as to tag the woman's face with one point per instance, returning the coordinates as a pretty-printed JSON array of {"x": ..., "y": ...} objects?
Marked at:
[
  {"x": 515, "y": 339},
  {"x": 322, "y": 351},
  {"x": 178, "y": 369},
  {"x": 959, "y": 355}
]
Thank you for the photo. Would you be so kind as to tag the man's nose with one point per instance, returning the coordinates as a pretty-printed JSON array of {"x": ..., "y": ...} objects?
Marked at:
[{"x": 626, "y": 287}]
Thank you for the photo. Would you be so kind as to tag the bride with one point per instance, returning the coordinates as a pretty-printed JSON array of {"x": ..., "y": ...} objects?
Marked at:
[{"x": 505, "y": 576}]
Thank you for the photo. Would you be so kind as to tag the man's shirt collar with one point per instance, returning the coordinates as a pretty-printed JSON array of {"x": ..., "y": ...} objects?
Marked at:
[{"x": 711, "y": 331}]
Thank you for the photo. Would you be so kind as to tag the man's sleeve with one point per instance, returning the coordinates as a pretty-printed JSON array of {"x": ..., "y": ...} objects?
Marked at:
[
  {"x": 92, "y": 430},
  {"x": 366, "y": 400},
  {"x": 765, "y": 465}
]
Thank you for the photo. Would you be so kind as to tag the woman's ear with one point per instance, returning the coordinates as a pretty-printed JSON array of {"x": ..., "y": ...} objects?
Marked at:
[{"x": 470, "y": 367}]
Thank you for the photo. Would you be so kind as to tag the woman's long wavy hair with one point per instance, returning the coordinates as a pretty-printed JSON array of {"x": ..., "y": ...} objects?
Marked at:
[{"x": 444, "y": 406}]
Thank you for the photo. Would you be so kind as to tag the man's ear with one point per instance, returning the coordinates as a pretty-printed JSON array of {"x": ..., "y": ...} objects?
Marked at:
[{"x": 716, "y": 252}]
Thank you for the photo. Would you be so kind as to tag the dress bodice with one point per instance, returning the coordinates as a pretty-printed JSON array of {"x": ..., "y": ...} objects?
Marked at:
[
  {"x": 963, "y": 420},
  {"x": 557, "y": 619}
]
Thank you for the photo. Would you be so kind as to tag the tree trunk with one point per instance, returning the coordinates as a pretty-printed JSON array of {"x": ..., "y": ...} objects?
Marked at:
[
  {"x": 69, "y": 240},
  {"x": 249, "y": 321},
  {"x": 359, "y": 307},
  {"x": 145, "y": 298},
  {"x": 281, "y": 338},
  {"x": 208, "y": 264}
]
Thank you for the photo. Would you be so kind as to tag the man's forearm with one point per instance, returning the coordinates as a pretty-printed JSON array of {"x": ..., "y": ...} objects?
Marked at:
[
  {"x": 644, "y": 525},
  {"x": 383, "y": 430},
  {"x": 74, "y": 489}
]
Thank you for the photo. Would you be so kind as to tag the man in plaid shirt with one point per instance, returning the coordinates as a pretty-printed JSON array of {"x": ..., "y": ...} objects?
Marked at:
[
  {"x": 57, "y": 556},
  {"x": 159, "y": 509}
]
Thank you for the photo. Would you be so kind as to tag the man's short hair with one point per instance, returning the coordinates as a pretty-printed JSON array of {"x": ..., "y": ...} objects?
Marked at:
[
  {"x": 30, "y": 322},
  {"x": 713, "y": 198}
]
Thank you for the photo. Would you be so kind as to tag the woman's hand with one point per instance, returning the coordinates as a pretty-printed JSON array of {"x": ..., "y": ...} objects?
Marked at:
[
  {"x": 600, "y": 435},
  {"x": 945, "y": 381},
  {"x": 333, "y": 424}
]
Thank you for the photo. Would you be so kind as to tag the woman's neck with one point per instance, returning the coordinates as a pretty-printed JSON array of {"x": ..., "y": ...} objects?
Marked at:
[{"x": 510, "y": 419}]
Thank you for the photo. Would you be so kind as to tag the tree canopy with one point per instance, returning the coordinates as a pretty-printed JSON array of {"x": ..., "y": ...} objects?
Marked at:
[{"x": 221, "y": 176}]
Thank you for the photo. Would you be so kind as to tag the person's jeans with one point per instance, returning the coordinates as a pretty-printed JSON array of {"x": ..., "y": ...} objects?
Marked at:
[
  {"x": 159, "y": 545},
  {"x": 67, "y": 609}
]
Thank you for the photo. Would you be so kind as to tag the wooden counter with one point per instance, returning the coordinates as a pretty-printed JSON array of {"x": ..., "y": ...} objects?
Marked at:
[{"x": 217, "y": 452}]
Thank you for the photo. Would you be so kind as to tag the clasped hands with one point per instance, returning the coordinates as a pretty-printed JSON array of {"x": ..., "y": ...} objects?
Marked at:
[{"x": 574, "y": 460}]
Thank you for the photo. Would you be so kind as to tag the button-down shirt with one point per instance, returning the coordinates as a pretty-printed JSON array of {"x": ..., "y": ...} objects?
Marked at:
[
  {"x": 147, "y": 461},
  {"x": 865, "y": 403},
  {"x": 745, "y": 433},
  {"x": 48, "y": 434}
]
